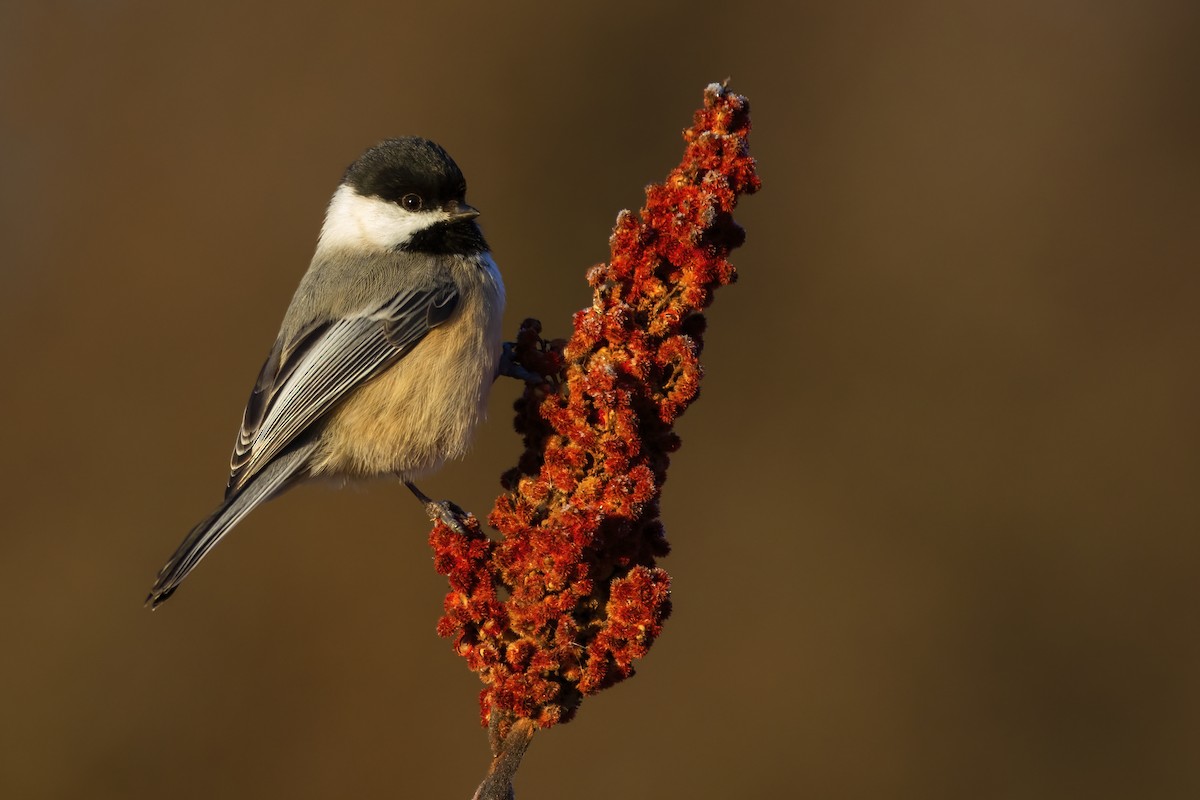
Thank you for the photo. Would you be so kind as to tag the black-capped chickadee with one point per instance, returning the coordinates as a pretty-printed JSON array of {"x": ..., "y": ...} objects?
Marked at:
[{"x": 385, "y": 356}]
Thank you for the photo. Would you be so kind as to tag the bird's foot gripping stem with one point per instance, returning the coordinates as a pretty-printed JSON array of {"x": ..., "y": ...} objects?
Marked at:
[
  {"x": 449, "y": 513},
  {"x": 510, "y": 367}
]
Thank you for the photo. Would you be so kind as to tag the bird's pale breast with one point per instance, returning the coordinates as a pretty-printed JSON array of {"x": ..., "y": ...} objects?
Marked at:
[{"x": 424, "y": 409}]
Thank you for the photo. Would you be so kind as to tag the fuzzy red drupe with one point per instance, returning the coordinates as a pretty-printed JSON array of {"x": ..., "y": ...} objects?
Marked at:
[{"x": 564, "y": 603}]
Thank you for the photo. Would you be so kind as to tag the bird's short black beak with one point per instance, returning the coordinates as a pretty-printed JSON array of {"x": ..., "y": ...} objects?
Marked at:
[{"x": 460, "y": 211}]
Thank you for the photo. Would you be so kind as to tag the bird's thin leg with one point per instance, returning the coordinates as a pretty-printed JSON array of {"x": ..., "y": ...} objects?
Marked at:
[{"x": 444, "y": 510}]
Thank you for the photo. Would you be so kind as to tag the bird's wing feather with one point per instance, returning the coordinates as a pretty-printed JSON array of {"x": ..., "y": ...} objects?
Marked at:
[{"x": 305, "y": 377}]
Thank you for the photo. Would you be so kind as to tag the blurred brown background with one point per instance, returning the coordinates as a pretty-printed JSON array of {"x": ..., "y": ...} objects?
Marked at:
[{"x": 935, "y": 517}]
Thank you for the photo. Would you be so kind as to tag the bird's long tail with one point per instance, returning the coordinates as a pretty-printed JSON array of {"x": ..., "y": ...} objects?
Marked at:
[{"x": 273, "y": 479}]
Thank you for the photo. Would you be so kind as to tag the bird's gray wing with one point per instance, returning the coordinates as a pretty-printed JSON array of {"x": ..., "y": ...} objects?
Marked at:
[{"x": 306, "y": 376}]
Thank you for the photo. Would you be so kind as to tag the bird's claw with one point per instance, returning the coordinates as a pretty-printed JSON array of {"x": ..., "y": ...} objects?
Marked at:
[
  {"x": 510, "y": 367},
  {"x": 451, "y": 515}
]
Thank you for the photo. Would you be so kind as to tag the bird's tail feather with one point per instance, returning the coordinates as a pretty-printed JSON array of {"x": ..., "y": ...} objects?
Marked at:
[{"x": 273, "y": 479}]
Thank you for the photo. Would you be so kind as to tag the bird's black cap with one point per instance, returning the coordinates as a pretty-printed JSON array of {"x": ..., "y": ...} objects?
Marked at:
[{"x": 407, "y": 165}]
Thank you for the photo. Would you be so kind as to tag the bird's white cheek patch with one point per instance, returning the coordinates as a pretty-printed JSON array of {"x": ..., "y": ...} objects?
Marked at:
[{"x": 354, "y": 221}]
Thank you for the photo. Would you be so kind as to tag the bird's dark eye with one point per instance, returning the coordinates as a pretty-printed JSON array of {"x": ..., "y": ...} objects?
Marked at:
[{"x": 412, "y": 202}]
